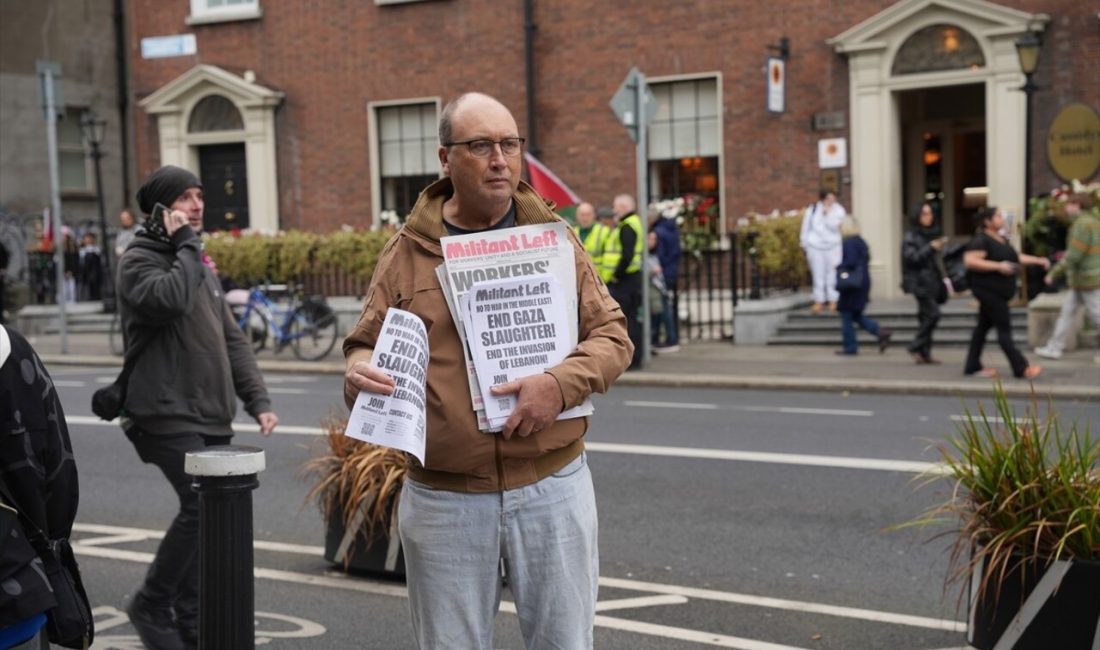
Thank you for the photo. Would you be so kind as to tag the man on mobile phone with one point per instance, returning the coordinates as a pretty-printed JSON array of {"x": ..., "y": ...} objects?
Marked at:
[{"x": 182, "y": 393}]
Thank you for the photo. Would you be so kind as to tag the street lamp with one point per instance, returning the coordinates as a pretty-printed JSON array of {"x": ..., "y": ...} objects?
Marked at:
[
  {"x": 1027, "y": 49},
  {"x": 94, "y": 129}
]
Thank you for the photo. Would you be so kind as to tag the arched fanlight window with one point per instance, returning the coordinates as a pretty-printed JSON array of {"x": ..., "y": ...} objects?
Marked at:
[
  {"x": 215, "y": 113},
  {"x": 937, "y": 48}
]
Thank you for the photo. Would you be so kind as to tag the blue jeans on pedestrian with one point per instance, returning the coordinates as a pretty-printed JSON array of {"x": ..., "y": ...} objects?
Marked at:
[
  {"x": 848, "y": 322},
  {"x": 665, "y": 320},
  {"x": 545, "y": 532}
]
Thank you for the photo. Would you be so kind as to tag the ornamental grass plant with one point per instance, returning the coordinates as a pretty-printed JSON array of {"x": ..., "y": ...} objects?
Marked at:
[
  {"x": 1025, "y": 491},
  {"x": 355, "y": 480}
]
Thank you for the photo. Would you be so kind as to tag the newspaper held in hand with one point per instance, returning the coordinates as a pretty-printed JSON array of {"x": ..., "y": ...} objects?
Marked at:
[
  {"x": 500, "y": 255},
  {"x": 399, "y": 420},
  {"x": 516, "y": 328}
]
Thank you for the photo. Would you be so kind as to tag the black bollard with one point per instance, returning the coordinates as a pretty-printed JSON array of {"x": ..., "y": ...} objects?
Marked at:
[{"x": 224, "y": 478}]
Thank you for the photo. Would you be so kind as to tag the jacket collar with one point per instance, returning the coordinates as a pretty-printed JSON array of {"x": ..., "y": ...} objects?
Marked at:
[{"x": 425, "y": 222}]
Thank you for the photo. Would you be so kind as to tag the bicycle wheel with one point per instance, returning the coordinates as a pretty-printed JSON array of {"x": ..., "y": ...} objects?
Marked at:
[
  {"x": 255, "y": 329},
  {"x": 118, "y": 345},
  {"x": 312, "y": 331}
]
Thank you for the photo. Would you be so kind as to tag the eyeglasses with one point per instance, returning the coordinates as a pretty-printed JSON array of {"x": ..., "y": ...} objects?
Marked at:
[{"x": 483, "y": 148}]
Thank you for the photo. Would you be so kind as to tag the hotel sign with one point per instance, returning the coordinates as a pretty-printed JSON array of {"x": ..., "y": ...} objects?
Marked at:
[{"x": 1073, "y": 144}]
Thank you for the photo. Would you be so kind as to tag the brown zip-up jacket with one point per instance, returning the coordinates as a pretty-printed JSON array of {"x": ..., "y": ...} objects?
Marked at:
[{"x": 459, "y": 457}]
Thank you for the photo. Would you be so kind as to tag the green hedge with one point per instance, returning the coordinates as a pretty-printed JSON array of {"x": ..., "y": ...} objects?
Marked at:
[
  {"x": 287, "y": 256},
  {"x": 779, "y": 253}
]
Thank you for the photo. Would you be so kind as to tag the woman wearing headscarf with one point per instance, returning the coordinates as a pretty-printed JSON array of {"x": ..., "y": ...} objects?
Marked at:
[
  {"x": 922, "y": 276},
  {"x": 991, "y": 268}
]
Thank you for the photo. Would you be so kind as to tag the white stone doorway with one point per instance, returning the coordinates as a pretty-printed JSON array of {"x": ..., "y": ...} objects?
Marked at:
[
  {"x": 944, "y": 154},
  {"x": 208, "y": 111},
  {"x": 931, "y": 46}
]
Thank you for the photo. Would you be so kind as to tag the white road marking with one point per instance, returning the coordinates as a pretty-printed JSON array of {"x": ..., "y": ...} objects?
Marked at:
[
  {"x": 643, "y": 601},
  {"x": 977, "y": 417},
  {"x": 843, "y": 462},
  {"x": 671, "y": 405},
  {"x": 108, "y": 617},
  {"x": 122, "y": 535},
  {"x": 278, "y": 390},
  {"x": 700, "y": 406},
  {"x": 290, "y": 379},
  {"x": 663, "y": 593},
  {"x": 789, "y": 605},
  {"x": 682, "y": 634},
  {"x": 806, "y": 460},
  {"x": 68, "y": 383}
]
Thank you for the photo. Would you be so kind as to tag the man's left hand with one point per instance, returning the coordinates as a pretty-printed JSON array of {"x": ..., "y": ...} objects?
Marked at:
[
  {"x": 268, "y": 421},
  {"x": 538, "y": 404}
]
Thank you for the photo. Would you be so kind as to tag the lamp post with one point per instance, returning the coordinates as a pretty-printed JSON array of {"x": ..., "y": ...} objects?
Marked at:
[
  {"x": 1027, "y": 49},
  {"x": 93, "y": 129}
]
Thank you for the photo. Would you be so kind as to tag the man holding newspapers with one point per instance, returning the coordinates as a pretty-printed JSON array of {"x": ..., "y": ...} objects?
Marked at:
[{"x": 520, "y": 492}]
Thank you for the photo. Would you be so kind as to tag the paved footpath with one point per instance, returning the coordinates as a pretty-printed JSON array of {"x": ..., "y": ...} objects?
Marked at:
[{"x": 720, "y": 364}]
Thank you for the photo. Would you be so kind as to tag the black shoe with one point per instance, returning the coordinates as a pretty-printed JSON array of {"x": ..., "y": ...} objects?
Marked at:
[
  {"x": 884, "y": 340},
  {"x": 155, "y": 625}
]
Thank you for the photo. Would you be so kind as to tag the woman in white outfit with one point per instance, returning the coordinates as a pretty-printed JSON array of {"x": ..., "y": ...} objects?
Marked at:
[{"x": 821, "y": 240}]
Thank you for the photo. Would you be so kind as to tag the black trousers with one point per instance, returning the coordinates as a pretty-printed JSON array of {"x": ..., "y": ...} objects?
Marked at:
[
  {"x": 928, "y": 315},
  {"x": 628, "y": 293},
  {"x": 993, "y": 312},
  {"x": 173, "y": 577}
]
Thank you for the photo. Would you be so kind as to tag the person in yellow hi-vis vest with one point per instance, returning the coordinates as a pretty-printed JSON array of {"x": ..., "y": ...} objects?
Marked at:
[
  {"x": 621, "y": 268},
  {"x": 592, "y": 233}
]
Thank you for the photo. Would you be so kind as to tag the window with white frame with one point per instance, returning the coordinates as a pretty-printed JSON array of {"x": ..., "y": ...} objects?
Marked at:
[
  {"x": 408, "y": 159},
  {"x": 203, "y": 11},
  {"x": 684, "y": 139},
  {"x": 72, "y": 158}
]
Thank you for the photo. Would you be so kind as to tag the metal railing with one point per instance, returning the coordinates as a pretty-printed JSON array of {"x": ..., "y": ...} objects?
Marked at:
[{"x": 713, "y": 282}]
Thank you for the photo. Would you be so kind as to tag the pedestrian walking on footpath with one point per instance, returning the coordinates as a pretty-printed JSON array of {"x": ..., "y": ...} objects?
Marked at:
[
  {"x": 991, "y": 268},
  {"x": 854, "y": 289},
  {"x": 820, "y": 239},
  {"x": 182, "y": 393},
  {"x": 1081, "y": 267},
  {"x": 664, "y": 242},
  {"x": 38, "y": 471},
  {"x": 522, "y": 496},
  {"x": 922, "y": 271}
]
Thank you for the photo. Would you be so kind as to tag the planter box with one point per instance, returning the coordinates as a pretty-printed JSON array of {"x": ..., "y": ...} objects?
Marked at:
[
  {"x": 352, "y": 550},
  {"x": 1038, "y": 608}
]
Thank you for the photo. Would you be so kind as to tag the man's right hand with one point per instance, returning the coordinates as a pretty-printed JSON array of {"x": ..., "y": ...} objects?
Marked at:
[
  {"x": 365, "y": 376},
  {"x": 174, "y": 220}
]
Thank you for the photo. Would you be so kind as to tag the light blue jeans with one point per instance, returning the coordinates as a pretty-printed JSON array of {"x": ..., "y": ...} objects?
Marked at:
[{"x": 546, "y": 533}]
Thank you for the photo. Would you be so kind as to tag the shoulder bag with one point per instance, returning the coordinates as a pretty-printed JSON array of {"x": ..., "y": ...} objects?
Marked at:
[
  {"x": 852, "y": 279},
  {"x": 70, "y": 624},
  {"x": 107, "y": 402}
]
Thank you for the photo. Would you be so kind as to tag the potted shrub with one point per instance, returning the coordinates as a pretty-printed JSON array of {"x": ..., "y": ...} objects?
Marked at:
[
  {"x": 1024, "y": 507},
  {"x": 357, "y": 486}
]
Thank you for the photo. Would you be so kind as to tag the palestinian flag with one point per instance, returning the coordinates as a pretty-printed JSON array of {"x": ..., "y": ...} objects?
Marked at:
[{"x": 547, "y": 184}]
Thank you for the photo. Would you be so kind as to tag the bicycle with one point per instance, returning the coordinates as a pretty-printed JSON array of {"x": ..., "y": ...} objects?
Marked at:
[{"x": 308, "y": 326}]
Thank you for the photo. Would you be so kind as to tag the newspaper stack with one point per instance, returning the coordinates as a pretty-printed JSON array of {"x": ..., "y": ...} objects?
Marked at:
[{"x": 495, "y": 263}]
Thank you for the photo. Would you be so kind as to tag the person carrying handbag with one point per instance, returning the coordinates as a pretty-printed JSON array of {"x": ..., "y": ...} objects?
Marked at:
[
  {"x": 923, "y": 275},
  {"x": 854, "y": 285},
  {"x": 40, "y": 494}
]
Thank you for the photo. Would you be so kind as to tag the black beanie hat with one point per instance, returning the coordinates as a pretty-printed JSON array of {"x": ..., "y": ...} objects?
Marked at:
[{"x": 164, "y": 186}]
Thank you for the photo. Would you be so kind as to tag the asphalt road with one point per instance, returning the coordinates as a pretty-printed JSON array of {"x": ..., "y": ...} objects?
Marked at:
[{"x": 730, "y": 519}]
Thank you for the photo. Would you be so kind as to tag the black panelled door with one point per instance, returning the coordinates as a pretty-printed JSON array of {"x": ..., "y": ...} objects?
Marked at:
[{"x": 225, "y": 186}]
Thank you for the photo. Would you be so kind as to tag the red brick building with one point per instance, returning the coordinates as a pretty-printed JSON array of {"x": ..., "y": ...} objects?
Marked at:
[{"x": 322, "y": 113}]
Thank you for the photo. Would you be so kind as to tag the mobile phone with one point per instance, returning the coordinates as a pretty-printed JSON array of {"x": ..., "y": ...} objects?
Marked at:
[{"x": 157, "y": 215}]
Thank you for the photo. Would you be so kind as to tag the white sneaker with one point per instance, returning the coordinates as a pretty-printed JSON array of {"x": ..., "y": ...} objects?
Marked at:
[{"x": 1048, "y": 352}]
